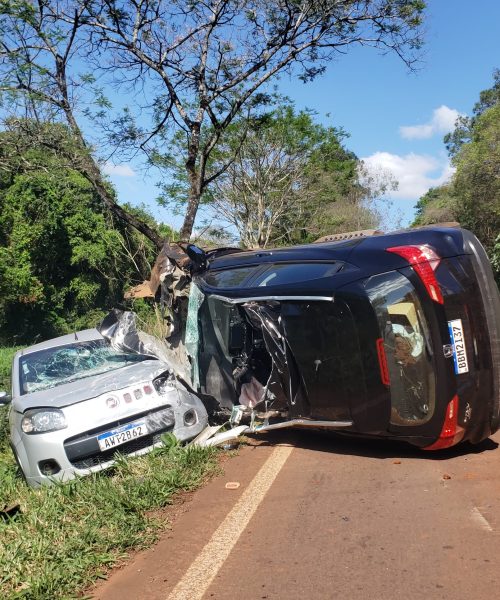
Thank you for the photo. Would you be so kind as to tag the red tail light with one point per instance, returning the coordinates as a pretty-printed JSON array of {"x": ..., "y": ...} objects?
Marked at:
[
  {"x": 382, "y": 361},
  {"x": 424, "y": 261},
  {"x": 451, "y": 433}
]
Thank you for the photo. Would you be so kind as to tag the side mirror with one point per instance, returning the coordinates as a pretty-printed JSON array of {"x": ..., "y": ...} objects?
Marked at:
[
  {"x": 197, "y": 255},
  {"x": 5, "y": 398}
]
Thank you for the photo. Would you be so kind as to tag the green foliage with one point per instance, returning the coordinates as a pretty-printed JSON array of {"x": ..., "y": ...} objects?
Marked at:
[
  {"x": 473, "y": 196},
  {"x": 63, "y": 260},
  {"x": 463, "y": 132},
  {"x": 476, "y": 183},
  {"x": 495, "y": 258},
  {"x": 6, "y": 356},
  {"x": 291, "y": 179},
  {"x": 436, "y": 206}
]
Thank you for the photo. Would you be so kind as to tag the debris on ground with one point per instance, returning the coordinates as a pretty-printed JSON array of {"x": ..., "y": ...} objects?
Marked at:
[{"x": 232, "y": 485}]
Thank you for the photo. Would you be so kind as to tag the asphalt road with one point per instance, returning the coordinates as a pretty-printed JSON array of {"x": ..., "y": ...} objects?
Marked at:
[{"x": 318, "y": 516}]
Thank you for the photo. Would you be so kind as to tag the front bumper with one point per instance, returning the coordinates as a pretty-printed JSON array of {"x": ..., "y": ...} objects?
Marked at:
[{"x": 74, "y": 451}]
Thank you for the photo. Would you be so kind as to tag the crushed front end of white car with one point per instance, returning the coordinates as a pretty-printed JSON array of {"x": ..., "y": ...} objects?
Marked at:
[{"x": 77, "y": 402}]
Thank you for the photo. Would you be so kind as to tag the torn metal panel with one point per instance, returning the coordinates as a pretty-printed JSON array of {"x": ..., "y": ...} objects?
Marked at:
[
  {"x": 208, "y": 432},
  {"x": 173, "y": 268},
  {"x": 171, "y": 259},
  {"x": 120, "y": 330},
  {"x": 225, "y": 436},
  {"x": 309, "y": 423},
  {"x": 238, "y": 353},
  {"x": 192, "y": 332}
]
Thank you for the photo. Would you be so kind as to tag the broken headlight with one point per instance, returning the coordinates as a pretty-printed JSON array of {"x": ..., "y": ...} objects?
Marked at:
[
  {"x": 43, "y": 420},
  {"x": 164, "y": 383}
]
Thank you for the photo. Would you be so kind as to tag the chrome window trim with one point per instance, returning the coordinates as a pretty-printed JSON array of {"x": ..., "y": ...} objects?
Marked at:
[{"x": 272, "y": 298}]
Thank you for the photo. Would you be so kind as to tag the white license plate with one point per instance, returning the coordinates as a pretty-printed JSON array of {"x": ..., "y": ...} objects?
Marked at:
[
  {"x": 121, "y": 435},
  {"x": 458, "y": 342}
]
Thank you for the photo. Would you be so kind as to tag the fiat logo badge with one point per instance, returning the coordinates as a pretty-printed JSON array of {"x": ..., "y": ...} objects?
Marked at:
[{"x": 112, "y": 402}]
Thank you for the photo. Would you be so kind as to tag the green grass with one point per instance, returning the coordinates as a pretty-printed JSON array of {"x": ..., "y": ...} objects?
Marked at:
[
  {"x": 6, "y": 355},
  {"x": 65, "y": 537}
]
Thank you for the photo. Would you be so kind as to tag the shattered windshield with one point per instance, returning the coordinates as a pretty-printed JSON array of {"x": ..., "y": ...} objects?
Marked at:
[{"x": 49, "y": 368}]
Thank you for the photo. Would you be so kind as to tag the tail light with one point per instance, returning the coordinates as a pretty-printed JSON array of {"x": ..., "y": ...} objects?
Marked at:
[
  {"x": 382, "y": 361},
  {"x": 451, "y": 433},
  {"x": 424, "y": 261}
]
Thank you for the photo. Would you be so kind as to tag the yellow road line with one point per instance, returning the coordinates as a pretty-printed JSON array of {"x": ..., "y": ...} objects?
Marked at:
[{"x": 207, "y": 564}]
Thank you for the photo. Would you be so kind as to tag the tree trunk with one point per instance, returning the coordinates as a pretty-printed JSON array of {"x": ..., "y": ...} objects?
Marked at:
[
  {"x": 194, "y": 177},
  {"x": 191, "y": 210}
]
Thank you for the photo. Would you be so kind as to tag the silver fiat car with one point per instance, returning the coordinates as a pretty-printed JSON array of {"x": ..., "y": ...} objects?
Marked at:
[{"x": 76, "y": 402}]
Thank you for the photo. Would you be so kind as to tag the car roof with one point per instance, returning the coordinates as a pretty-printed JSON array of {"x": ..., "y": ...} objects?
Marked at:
[
  {"x": 304, "y": 252},
  {"x": 85, "y": 335},
  {"x": 347, "y": 250}
]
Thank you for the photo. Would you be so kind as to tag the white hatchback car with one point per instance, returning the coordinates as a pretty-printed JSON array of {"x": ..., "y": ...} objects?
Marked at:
[{"x": 76, "y": 402}]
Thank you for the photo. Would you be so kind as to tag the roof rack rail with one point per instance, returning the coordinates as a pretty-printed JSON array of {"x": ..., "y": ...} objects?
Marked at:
[{"x": 349, "y": 235}]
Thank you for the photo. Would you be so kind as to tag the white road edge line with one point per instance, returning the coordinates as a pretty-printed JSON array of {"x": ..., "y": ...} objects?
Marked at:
[
  {"x": 207, "y": 564},
  {"x": 478, "y": 517}
]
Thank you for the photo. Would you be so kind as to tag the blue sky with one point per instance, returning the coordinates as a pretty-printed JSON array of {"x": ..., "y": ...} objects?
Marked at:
[{"x": 396, "y": 119}]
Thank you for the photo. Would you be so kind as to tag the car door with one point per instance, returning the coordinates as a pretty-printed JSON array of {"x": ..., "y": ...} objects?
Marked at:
[{"x": 323, "y": 341}]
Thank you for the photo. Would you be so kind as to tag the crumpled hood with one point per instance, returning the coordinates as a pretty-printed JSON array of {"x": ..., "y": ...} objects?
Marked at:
[{"x": 90, "y": 387}]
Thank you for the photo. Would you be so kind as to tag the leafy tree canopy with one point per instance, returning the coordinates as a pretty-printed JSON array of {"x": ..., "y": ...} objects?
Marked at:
[
  {"x": 291, "y": 180},
  {"x": 476, "y": 183},
  {"x": 436, "y": 206},
  {"x": 473, "y": 195},
  {"x": 464, "y": 127},
  {"x": 63, "y": 260},
  {"x": 185, "y": 69}
]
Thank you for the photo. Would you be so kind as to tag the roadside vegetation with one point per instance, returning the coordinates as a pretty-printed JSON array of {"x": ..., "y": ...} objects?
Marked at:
[
  {"x": 57, "y": 541},
  {"x": 6, "y": 355},
  {"x": 472, "y": 196}
]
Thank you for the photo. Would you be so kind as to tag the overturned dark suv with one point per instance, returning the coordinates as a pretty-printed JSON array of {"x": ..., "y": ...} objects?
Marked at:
[{"x": 394, "y": 335}]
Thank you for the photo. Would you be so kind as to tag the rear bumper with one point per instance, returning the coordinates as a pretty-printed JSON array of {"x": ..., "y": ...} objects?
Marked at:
[{"x": 491, "y": 303}]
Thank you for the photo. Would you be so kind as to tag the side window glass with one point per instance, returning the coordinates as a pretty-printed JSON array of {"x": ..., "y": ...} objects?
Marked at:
[
  {"x": 293, "y": 273},
  {"x": 229, "y": 278}
]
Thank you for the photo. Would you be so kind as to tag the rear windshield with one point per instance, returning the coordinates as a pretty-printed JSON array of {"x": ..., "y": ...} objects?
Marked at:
[
  {"x": 407, "y": 345},
  {"x": 49, "y": 368}
]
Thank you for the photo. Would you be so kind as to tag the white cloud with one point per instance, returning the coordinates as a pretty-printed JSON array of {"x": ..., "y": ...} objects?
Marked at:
[
  {"x": 120, "y": 170},
  {"x": 442, "y": 121},
  {"x": 415, "y": 173}
]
